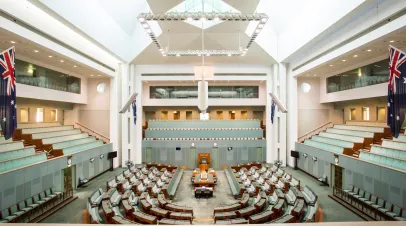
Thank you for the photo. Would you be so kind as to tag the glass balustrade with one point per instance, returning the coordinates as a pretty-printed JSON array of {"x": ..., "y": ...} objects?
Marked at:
[
  {"x": 34, "y": 75},
  {"x": 368, "y": 75},
  {"x": 215, "y": 92}
]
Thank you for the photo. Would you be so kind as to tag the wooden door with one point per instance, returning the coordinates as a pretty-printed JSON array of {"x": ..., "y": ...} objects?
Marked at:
[{"x": 338, "y": 176}]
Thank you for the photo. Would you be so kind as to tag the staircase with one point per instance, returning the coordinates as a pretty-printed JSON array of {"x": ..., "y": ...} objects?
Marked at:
[{"x": 315, "y": 131}]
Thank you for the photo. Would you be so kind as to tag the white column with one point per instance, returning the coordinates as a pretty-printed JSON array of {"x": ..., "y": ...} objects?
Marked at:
[
  {"x": 282, "y": 116},
  {"x": 270, "y": 128},
  {"x": 292, "y": 115},
  {"x": 115, "y": 122},
  {"x": 133, "y": 140},
  {"x": 125, "y": 71},
  {"x": 138, "y": 127}
]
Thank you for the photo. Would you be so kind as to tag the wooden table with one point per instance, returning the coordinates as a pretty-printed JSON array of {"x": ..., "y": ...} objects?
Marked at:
[
  {"x": 204, "y": 182},
  {"x": 211, "y": 189}
]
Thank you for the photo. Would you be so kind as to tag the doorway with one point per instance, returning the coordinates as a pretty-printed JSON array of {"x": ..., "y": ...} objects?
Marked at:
[
  {"x": 232, "y": 115},
  {"x": 219, "y": 115},
  {"x": 244, "y": 115},
  {"x": 337, "y": 173},
  {"x": 213, "y": 159},
  {"x": 164, "y": 115},
  {"x": 259, "y": 154},
  {"x": 353, "y": 112},
  {"x": 176, "y": 115},
  {"x": 189, "y": 115},
  {"x": 68, "y": 181}
]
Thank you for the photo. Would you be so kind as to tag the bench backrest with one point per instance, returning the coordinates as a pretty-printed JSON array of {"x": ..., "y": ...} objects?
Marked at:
[
  {"x": 46, "y": 129},
  {"x": 64, "y": 138},
  {"x": 4, "y": 141},
  {"x": 342, "y": 137},
  {"x": 351, "y": 132},
  {"x": 22, "y": 162},
  {"x": 394, "y": 144},
  {"x": 68, "y": 143},
  {"x": 55, "y": 134},
  {"x": 11, "y": 146},
  {"x": 341, "y": 143},
  {"x": 383, "y": 160},
  {"x": 401, "y": 138},
  {"x": 361, "y": 128},
  {"x": 82, "y": 147},
  {"x": 393, "y": 153},
  {"x": 37, "y": 125},
  {"x": 23, "y": 152},
  {"x": 324, "y": 146}
]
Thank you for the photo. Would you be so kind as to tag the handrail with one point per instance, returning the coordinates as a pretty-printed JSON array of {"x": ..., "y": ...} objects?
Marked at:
[
  {"x": 314, "y": 131},
  {"x": 96, "y": 134}
]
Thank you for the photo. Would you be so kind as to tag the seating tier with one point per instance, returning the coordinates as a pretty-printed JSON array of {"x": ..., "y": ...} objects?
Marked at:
[
  {"x": 64, "y": 138},
  {"x": 342, "y": 137},
  {"x": 394, "y": 144},
  {"x": 73, "y": 142},
  {"x": 325, "y": 146},
  {"x": 4, "y": 141},
  {"x": 401, "y": 138},
  {"x": 37, "y": 125},
  {"x": 22, "y": 162},
  {"x": 351, "y": 132},
  {"x": 361, "y": 128},
  {"x": 393, "y": 153},
  {"x": 203, "y": 133},
  {"x": 81, "y": 147},
  {"x": 11, "y": 146},
  {"x": 340, "y": 143},
  {"x": 18, "y": 153},
  {"x": 45, "y": 129},
  {"x": 366, "y": 123},
  {"x": 383, "y": 160},
  {"x": 55, "y": 134}
]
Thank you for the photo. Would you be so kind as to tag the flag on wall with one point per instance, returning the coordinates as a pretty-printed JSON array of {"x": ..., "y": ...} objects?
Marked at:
[
  {"x": 8, "y": 103},
  {"x": 134, "y": 105},
  {"x": 272, "y": 111},
  {"x": 396, "y": 90}
]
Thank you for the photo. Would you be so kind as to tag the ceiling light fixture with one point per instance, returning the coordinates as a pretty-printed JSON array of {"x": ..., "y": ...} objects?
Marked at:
[
  {"x": 315, "y": 75},
  {"x": 203, "y": 16},
  {"x": 75, "y": 66},
  {"x": 99, "y": 75},
  {"x": 229, "y": 54},
  {"x": 50, "y": 56},
  {"x": 62, "y": 61},
  {"x": 91, "y": 75},
  {"x": 391, "y": 41},
  {"x": 369, "y": 50},
  {"x": 344, "y": 60},
  {"x": 13, "y": 42},
  {"x": 355, "y": 55},
  {"x": 145, "y": 25},
  {"x": 36, "y": 51},
  {"x": 331, "y": 65}
]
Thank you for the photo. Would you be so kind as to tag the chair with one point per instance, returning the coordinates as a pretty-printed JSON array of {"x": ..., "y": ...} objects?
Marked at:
[
  {"x": 198, "y": 193},
  {"x": 207, "y": 193}
]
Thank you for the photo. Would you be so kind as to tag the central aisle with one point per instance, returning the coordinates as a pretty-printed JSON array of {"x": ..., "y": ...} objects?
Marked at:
[{"x": 203, "y": 208}]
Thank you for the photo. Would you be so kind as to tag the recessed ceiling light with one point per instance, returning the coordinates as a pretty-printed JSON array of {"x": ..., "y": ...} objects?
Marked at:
[
  {"x": 260, "y": 26},
  {"x": 178, "y": 55},
  {"x": 315, "y": 75},
  {"x": 12, "y": 42},
  {"x": 307, "y": 75},
  {"x": 257, "y": 31},
  {"x": 344, "y": 60},
  {"x": 229, "y": 54},
  {"x": 145, "y": 25},
  {"x": 369, "y": 50},
  {"x": 92, "y": 75},
  {"x": 189, "y": 19},
  {"x": 203, "y": 19},
  {"x": 142, "y": 19},
  {"x": 216, "y": 18},
  {"x": 149, "y": 30},
  {"x": 99, "y": 75},
  {"x": 50, "y": 56},
  {"x": 331, "y": 65},
  {"x": 208, "y": 54},
  {"x": 355, "y": 55},
  {"x": 36, "y": 51},
  {"x": 75, "y": 66},
  {"x": 392, "y": 41},
  {"x": 62, "y": 61}
]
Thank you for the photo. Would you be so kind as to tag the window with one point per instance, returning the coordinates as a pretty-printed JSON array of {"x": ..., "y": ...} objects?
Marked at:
[
  {"x": 40, "y": 115},
  {"x": 189, "y": 115},
  {"x": 219, "y": 115},
  {"x": 176, "y": 115},
  {"x": 24, "y": 115},
  {"x": 381, "y": 114},
  {"x": 232, "y": 115},
  {"x": 244, "y": 115},
  {"x": 164, "y": 115},
  {"x": 352, "y": 114},
  {"x": 54, "y": 115},
  {"x": 365, "y": 114}
]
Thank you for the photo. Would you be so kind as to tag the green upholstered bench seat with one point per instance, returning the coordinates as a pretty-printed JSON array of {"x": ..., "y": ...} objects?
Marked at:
[
  {"x": 324, "y": 146},
  {"x": 18, "y": 153},
  {"x": 54, "y": 134},
  {"x": 64, "y": 138},
  {"x": 393, "y": 153},
  {"x": 11, "y": 146},
  {"x": 394, "y": 144},
  {"x": 22, "y": 162},
  {"x": 383, "y": 160},
  {"x": 349, "y": 138},
  {"x": 351, "y": 132},
  {"x": 46, "y": 129},
  {"x": 337, "y": 142},
  {"x": 82, "y": 147},
  {"x": 73, "y": 142}
]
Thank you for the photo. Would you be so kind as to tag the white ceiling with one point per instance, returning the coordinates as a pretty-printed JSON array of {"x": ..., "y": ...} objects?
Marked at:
[
  {"x": 378, "y": 50},
  {"x": 223, "y": 36},
  {"x": 124, "y": 16},
  {"x": 25, "y": 49}
]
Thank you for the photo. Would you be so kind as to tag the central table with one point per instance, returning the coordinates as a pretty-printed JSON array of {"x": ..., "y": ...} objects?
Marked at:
[{"x": 199, "y": 181}]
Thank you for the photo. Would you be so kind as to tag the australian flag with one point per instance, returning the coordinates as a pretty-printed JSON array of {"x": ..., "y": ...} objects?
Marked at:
[
  {"x": 396, "y": 90},
  {"x": 272, "y": 111},
  {"x": 134, "y": 105},
  {"x": 8, "y": 103}
]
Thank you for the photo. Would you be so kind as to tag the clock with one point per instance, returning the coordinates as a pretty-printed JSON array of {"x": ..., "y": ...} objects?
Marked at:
[
  {"x": 69, "y": 161},
  {"x": 336, "y": 160}
]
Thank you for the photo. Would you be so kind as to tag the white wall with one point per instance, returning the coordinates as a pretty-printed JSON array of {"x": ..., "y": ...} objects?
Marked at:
[{"x": 311, "y": 113}]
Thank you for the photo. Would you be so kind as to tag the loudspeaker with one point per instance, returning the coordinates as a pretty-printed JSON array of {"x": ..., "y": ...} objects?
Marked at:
[
  {"x": 112, "y": 155},
  {"x": 294, "y": 154},
  {"x": 177, "y": 148}
]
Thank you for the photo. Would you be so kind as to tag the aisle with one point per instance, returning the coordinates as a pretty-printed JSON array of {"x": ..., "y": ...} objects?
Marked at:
[{"x": 203, "y": 208}]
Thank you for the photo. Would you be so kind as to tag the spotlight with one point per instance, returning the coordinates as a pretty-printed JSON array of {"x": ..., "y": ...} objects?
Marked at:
[
  {"x": 141, "y": 19},
  {"x": 260, "y": 26},
  {"x": 216, "y": 18},
  {"x": 203, "y": 19},
  {"x": 145, "y": 25},
  {"x": 355, "y": 55},
  {"x": 189, "y": 18},
  {"x": 13, "y": 42},
  {"x": 229, "y": 54},
  {"x": 36, "y": 51},
  {"x": 178, "y": 55},
  {"x": 149, "y": 31}
]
